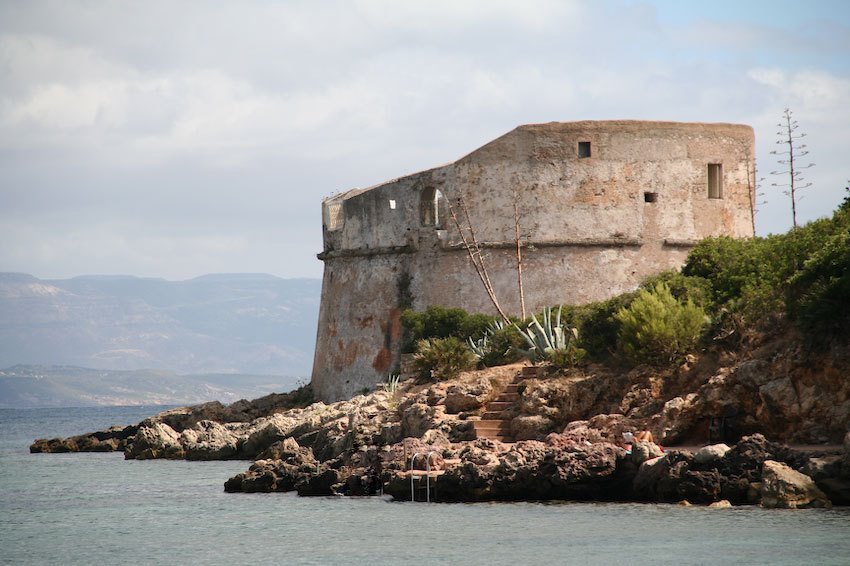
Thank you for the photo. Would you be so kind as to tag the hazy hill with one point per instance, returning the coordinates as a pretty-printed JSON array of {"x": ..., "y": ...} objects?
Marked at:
[
  {"x": 67, "y": 386},
  {"x": 245, "y": 323}
]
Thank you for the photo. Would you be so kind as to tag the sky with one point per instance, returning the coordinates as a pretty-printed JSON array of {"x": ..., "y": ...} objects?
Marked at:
[{"x": 173, "y": 139}]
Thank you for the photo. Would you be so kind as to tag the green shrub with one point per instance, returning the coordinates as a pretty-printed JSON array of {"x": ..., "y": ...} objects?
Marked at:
[
  {"x": 503, "y": 347},
  {"x": 442, "y": 358},
  {"x": 441, "y": 322},
  {"x": 750, "y": 279},
  {"x": 683, "y": 287},
  {"x": 597, "y": 325},
  {"x": 568, "y": 357},
  {"x": 819, "y": 294},
  {"x": 657, "y": 329}
]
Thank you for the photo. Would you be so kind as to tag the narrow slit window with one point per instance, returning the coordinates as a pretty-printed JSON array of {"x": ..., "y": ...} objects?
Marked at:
[
  {"x": 715, "y": 180},
  {"x": 650, "y": 197},
  {"x": 584, "y": 149},
  {"x": 392, "y": 204}
]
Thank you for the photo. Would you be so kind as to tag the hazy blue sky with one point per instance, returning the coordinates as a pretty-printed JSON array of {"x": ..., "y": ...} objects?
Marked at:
[{"x": 173, "y": 139}]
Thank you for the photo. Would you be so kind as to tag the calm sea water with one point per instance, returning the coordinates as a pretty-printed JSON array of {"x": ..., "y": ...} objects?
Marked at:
[{"x": 101, "y": 509}]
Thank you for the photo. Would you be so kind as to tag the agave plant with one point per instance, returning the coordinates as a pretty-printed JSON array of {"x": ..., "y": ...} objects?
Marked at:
[
  {"x": 478, "y": 347},
  {"x": 391, "y": 384},
  {"x": 481, "y": 346},
  {"x": 547, "y": 338}
]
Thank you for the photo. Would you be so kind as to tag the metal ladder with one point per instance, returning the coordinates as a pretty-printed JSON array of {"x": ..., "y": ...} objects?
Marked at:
[{"x": 419, "y": 477}]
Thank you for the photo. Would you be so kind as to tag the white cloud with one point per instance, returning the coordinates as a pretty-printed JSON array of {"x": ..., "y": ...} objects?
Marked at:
[{"x": 215, "y": 131}]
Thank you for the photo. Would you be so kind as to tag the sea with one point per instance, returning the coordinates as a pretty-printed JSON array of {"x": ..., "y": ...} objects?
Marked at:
[{"x": 99, "y": 509}]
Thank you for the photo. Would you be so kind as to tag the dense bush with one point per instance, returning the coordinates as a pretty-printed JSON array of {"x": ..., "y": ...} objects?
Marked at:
[
  {"x": 503, "y": 347},
  {"x": 741, "y": 284},
  {"x": 442, "y": 322},
  {"x": 684, "y": 288},
  {"x": 656, "y": 328},
  {"x": 819, "y": 294},
  {"x": 597, "y": 325},
  {"x": 442, "y": 358},
  {"x": 800, "y": 273},
  {"x": 568, "y": 357}
]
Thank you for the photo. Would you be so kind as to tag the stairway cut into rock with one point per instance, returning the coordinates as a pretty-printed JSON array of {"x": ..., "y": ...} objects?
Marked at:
[{"x": 495, "y": 423}]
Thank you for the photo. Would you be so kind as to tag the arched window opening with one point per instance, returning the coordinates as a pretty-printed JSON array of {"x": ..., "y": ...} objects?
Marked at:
[
  {"x": 432, "y": 208},
  {"x": 334, "y": 218}
]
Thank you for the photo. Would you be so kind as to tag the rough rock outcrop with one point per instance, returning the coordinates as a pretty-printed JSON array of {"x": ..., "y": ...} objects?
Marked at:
[
  {"x": 786, "y": 488},
  {"x": 355, "y": 446},
  {"x": 292, "y": 464},
  {"x": 708, "y": 454},
  {"x": 113, "y": 438},
  {"x": 209, "y": 440},
  {"x": 530, "y": 427},
  {"x": 557, "y": 468},
  {"x": 721, "y": 472},
  {"x": 468, "y": 396},
  {"x": 155, "y": 440}
]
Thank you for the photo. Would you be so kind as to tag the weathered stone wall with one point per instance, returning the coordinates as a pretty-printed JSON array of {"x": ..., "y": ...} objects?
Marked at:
[{"x": 592, "y": 227}]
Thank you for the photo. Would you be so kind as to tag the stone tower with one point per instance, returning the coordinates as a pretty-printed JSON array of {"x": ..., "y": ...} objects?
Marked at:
[{"x": 603, "y": 204}]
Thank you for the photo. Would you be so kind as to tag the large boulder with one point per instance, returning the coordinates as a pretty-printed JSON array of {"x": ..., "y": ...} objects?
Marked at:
[
  {"x": 291, "y": 465},
  {"x": 683, "y": 480},
  {"x": 154, "y": 440},
  {"x": 779, "y": 397},
  {"x": 417, "y": 419},
  {"x": 678, "y": 417},
  {"x": 530, "y": 427},
  {"x": 53, "y": 446},
  {"x": 467, "y": 396},
  {"x": 326, "y": 482},
  {"x": 649, "y": 474},
  {"x": 265, "y": 432},
  {"x": 209, "y": 440},
  {"x": 643, "y": 451},
  {"x": 603, "y": 428},
  {"x": 113, "y": 438},
  {"x": 752, "y": 374},
  {"x": 819, "y": 468},
  {"x": 288, "y": 450},
  {"x": 712, "y": 453},
  {"x": 783, "y": 487},
  {"x": 745, "y": 459},
  {"x": 558, "y": 468}
]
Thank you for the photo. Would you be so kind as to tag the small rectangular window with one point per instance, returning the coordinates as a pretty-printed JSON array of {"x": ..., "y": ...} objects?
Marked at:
[
  {"x": 584, "y": 149},
  {"x": 392, "y": 204},
  {"x": 715, "y": 180},
  {"x": 650, "y": 197}
]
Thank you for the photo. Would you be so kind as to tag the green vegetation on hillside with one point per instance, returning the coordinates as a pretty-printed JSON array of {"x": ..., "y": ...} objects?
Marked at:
[{"x": 726, "y": 289}]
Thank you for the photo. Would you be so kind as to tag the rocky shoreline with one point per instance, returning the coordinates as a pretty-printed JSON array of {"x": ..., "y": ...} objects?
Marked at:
[{"x": 365, "y": 445}]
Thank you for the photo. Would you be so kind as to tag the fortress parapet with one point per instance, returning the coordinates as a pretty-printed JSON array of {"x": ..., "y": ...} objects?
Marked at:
[{"x": 603, "y": 204}]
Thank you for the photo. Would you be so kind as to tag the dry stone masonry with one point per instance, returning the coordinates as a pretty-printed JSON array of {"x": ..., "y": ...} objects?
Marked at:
[{"x": 602, "y": 205}]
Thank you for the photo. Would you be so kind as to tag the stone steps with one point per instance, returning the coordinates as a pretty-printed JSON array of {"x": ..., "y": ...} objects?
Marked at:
[{"x": 494, "y": 424}]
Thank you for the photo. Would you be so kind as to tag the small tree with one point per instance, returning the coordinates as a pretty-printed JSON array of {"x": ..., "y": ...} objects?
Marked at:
[
  {"x": 657, "y": 329},
  {"x": 789, "y": 158},
  {"x": 442, "y": 358}
]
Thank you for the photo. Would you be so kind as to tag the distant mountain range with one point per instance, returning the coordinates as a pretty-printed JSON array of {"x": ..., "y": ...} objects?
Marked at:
[
  {"x": 214, "y": 324},
  {"x": 67, "y": 386}
]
